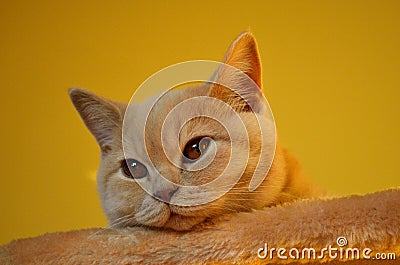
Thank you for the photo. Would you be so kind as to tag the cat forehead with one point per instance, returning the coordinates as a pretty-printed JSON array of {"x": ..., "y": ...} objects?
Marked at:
[
  {"x": 156, "y": 108},
  {"x": 146, "y": 118}
]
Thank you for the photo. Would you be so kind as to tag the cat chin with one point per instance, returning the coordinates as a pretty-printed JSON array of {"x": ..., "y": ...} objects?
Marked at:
[{"x": 175, "y": 222}]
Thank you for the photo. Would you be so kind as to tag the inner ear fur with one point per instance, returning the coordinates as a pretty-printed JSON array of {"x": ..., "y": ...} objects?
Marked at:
[{"x": 103, "y": 117}]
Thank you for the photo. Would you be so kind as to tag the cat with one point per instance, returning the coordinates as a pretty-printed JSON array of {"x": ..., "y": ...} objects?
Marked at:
[{"x": 129, "y": 194}]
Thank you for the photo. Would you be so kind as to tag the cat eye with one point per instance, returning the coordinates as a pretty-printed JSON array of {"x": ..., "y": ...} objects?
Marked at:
[
  {"x": 196, "y": 147},
  {"x": 133, "y": 169}
]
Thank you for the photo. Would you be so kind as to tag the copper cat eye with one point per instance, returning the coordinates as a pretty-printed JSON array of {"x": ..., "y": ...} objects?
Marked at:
[
  {"x": 133, "y": 169},
  {"x": 195, "y": 147}
]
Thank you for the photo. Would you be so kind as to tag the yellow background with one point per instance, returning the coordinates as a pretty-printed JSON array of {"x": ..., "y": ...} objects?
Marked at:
[{"x": 331, "y": 75}]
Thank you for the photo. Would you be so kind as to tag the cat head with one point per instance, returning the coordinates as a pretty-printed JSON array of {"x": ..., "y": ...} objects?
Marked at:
[{"x": 158, "y": 157}]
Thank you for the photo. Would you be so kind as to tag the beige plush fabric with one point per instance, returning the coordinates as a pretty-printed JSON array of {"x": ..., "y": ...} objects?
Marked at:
[{"x": 371, "y": 221}]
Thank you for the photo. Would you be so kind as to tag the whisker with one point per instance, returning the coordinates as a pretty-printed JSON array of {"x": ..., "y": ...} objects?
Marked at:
[{"x": 114, "y": 223}]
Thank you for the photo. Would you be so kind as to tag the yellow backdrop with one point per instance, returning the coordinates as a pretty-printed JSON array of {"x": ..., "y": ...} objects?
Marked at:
[{"x": 331, "y": 74}]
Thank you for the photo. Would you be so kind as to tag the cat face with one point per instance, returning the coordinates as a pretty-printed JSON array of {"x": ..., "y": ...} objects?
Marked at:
[{"x": 169, "y": 164}]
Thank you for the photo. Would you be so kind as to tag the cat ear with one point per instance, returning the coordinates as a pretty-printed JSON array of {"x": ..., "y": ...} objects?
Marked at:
[
  {"x": 244, "y": 77},
  {"x": 101, "y": 116}
]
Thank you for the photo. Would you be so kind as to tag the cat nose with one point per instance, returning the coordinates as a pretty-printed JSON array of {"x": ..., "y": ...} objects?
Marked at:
[{"x": 166, "y": 194}]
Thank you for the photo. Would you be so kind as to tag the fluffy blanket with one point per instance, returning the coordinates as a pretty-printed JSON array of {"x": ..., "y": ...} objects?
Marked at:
[{"x": 369, "y": 224}]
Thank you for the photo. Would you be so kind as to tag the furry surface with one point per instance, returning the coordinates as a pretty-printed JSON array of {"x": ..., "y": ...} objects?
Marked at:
[{"x": 371, "y": 220}]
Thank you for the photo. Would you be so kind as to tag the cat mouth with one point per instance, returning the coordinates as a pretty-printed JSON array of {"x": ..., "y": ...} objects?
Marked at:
[
  {"x": 170, "y": 219},
  {"x": 160, "y": 214},
  {"x": 185, "y": 211}
]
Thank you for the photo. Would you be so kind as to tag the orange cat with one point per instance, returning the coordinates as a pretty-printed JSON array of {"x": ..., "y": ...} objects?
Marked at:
[{"x": 131, "y": 185}]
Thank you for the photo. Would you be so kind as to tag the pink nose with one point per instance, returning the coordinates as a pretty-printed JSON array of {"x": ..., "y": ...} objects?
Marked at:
[{"x": 165, "y": 195}]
